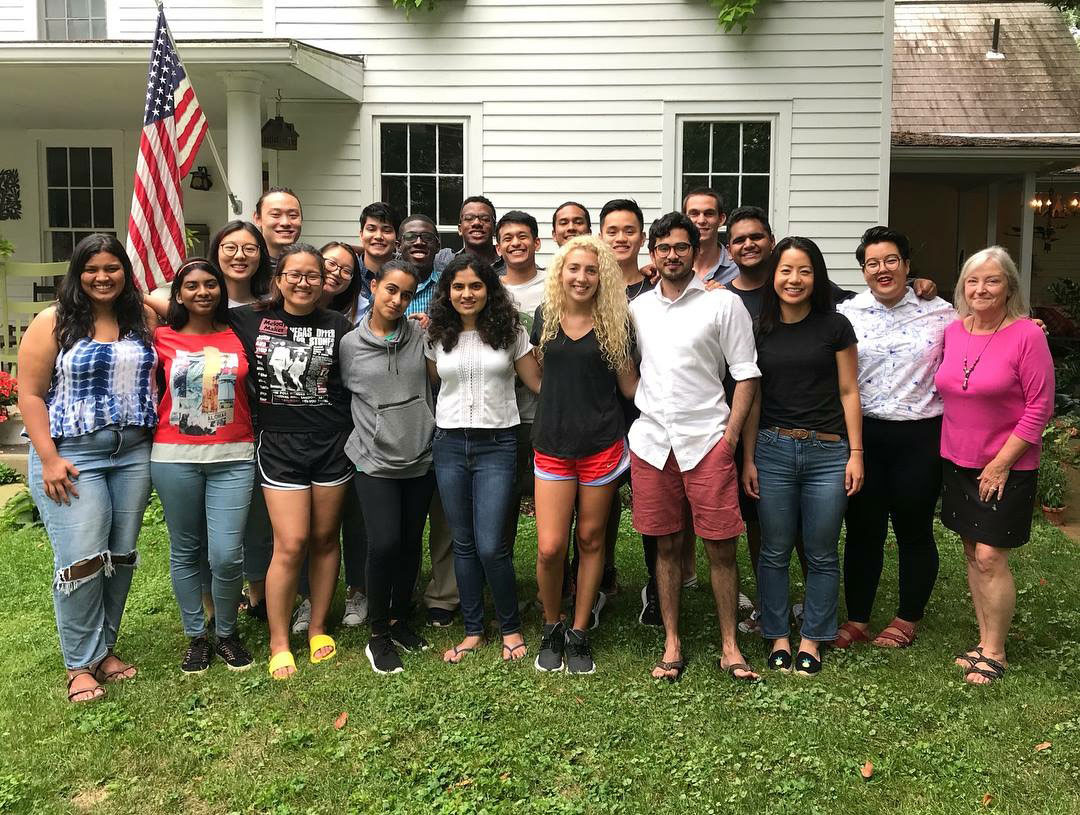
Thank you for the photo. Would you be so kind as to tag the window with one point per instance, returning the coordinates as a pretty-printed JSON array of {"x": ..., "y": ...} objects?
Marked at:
[
  {"x": 734, "y": 158},
  {"x": 74, "y": 19},
  {"x": 79, "y": 196},
  {"x": 422, "y": 170}
]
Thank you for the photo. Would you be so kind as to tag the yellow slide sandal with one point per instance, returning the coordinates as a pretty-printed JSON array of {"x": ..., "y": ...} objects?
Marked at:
[
  {"x": 282, "y": 659},
  {"x": 317, "y": 643}
]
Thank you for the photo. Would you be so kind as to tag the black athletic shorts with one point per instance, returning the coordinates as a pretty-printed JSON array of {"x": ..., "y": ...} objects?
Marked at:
[{"x": 295, "y": 461}]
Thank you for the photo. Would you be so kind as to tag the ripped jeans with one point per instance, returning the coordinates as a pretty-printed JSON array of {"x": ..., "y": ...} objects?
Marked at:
[{"x": 96, "y": 535}]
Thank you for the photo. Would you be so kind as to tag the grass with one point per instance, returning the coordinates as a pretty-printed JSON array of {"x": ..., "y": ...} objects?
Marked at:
[{"x": 487, "y": 738}]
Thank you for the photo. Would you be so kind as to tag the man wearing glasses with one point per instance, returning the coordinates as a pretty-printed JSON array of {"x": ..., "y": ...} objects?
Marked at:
[
  {"x": 419, "y": 243},
  {"x": 682, "y": 446},
  {"x": 476, "y": 225}
]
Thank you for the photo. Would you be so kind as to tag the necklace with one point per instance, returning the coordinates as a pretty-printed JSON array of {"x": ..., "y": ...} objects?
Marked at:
[
  {"x": 968, "y": 370},
  {"x": 635, "y": 290}
]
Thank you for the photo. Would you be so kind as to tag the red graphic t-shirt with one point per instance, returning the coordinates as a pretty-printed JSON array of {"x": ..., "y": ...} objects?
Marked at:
[{"x": 203, "y": 415}]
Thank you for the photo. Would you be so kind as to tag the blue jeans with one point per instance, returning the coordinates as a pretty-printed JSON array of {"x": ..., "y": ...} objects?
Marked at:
[
  {"x": 104, "y": 521},
  {"x": 800, "y": 480},
  {"x": 475, "y": 472},
  {"x": 206, "y": 508}
]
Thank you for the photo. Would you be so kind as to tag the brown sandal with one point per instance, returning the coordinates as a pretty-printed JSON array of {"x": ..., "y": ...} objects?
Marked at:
[
  {"x": 94, "y": 694},
  {"x": 897, "y": 634},
  {"x": 848, "y": 634},
  {"x": 117, "y": 675}
]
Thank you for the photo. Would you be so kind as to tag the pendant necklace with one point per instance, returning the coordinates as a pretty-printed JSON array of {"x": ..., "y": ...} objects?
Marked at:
[{"x": 969, "y": 370}]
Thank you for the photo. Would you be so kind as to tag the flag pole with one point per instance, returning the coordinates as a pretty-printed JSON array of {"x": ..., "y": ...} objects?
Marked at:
[{"x": 234, "y": 202}]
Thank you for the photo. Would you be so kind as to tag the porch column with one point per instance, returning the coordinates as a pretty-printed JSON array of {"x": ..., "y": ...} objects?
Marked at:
[
  {"x": 991, "y": 213},
  {"x": 243, "y": 92},
  {"x": 1027, "y": 233}
]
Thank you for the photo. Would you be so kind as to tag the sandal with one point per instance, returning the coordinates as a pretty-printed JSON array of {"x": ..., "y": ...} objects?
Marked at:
[
  {"x": 282, "y": 659},
  {"x": 968, "y": 658},
  {"x": 508, "y": 652},
  {"x": 94, "y": 691},
  {"x": 897, "y": 634},
  {"x": 117, "y": 675},
  {"x": 317, "y": 643},
  {"x": 848, "y": 634},
  {"x": 996, "y": 672},
  {"x": 739, "y": 666},
  {"x": 677, "y": 665},
  {"x": 460, "y": 652}
]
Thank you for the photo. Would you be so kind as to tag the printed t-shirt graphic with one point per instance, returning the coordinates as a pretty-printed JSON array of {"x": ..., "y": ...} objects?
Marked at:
[
  {"x": 203, "y": 386},
  {"x": 297, "y": 362}
]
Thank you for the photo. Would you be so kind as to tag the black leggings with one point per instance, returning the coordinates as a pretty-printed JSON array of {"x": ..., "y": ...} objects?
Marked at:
[
  {"x": 903, "y": 480},
  {"x": 395, "y": 511}
]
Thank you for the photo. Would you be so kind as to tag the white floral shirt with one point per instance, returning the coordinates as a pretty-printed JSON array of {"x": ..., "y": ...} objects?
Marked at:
[{"x": 900, "y": 350}]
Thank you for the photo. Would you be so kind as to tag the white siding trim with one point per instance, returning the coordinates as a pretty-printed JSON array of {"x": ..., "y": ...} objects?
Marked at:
[
  {"x": 778, "y": 112},
  {"x": 886, "y": 112},
  {"x": 33, "y": 25}
]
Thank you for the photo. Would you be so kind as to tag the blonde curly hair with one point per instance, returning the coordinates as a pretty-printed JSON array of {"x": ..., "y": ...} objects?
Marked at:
[{"x": 610, "y": 311}]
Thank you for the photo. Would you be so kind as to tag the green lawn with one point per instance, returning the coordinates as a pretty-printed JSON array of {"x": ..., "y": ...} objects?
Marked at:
[{"x": 484, "y": 737}]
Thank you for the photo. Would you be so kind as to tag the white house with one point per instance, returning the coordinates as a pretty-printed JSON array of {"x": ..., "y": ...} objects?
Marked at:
[{"x": 530, "y": 103}]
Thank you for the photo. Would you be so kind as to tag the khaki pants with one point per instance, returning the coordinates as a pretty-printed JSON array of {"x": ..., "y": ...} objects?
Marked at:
[{"x": 441, "y": 591}]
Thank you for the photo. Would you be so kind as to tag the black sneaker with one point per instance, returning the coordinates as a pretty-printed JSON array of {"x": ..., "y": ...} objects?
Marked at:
[
  {"x": 197, "y": 656},
  {"x": 439, "y": 618},
  {"x": 406, "y": 639},
  {"x": 552, "y": 644},
  {"x": 650, "y": 608},
  {"x": 233, "y": 652},
  {"x": 578, "y": 653},
  {"x": 383, "y": 656}
]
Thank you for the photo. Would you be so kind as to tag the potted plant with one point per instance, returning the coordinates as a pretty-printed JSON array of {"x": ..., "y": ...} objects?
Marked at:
[
  {"x": 1052, "y": 487},
  {"x": 10, "y": 421}
]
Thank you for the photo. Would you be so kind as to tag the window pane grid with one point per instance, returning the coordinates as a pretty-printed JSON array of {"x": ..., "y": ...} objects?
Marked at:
[
  {"x": 73, "y": 19},
  {"x": 80, "y": 199},
  {"x": 428, "y": 187},
  {"x": 730, "y": 181}
]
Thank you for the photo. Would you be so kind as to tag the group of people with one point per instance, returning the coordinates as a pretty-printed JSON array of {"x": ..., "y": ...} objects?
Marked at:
[{"x": 293, "y": 404}]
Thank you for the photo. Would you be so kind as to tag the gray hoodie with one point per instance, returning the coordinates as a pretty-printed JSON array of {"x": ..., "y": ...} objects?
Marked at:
[{"x": 392, "y": 407}]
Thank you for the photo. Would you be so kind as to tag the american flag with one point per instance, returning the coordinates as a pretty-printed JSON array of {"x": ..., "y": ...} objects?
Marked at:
[{"x": 173, "y": 129}]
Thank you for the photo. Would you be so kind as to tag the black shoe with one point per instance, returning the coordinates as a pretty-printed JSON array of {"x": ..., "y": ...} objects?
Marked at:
[
  {"x": 578, "y": 653},
  {"x": 406, "y": 639},
  {"x": 383, "y": 656},
  {"x": 439, "y": 618},
  {"x": 552, "y": 644},
  {"x": 197, "y": 656},
  {"x": 233, "y": 653},
  {"x": 650, "y": 608},
  {"x": 780, "y": 660},
  {"x": 807, "y": 664}
]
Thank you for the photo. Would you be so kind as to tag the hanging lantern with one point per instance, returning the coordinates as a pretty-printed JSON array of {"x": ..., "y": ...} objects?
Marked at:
[{"x": 277, "y": 134}]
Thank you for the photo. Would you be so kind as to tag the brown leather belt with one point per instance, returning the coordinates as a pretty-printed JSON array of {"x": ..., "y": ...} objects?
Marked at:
[{"x": 802, "y": 435}]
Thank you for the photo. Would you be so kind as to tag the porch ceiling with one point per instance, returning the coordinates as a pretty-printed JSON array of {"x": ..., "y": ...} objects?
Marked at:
[{"x": 101, "y": 85}]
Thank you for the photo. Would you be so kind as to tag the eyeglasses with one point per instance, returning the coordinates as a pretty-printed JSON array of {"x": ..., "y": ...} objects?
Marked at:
[
  {"x": 314, "y": 278},
  {"x": 333, "y": 266},
  {"x": 250, "y": 250},
  {"x": 472, "y": 216},
  {"x": 891, "y": 263},
  {"x": 664, "y": 249},
  {"x": 425, "y": 237}
]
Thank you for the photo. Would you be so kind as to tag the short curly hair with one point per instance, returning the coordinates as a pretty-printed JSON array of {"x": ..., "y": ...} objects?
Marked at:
[{"x": 497, "y": 322}]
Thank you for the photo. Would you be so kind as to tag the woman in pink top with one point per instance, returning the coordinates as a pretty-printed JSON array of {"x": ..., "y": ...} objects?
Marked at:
[{"x": 997, "y": 382}]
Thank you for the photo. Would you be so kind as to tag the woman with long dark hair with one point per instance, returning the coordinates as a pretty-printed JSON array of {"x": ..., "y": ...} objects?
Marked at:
[
  {"x": 87, "y": 396},
  {"x": 302, "y": 419},
  {"x": 802, "y": 454},
  {"x": 202, "y": 461},
  {"x": 476, "y": 346}
]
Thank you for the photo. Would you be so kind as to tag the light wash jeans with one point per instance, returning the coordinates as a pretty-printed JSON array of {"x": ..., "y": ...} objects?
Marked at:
[
  {"x": 800, "y": 479},
  {"x": 206, "y": 508},
  {"x": 114, "y": 487}
]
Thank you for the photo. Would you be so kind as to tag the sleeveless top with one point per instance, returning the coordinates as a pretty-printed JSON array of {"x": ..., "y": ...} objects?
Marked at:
[{"x": 98, "y": 384}]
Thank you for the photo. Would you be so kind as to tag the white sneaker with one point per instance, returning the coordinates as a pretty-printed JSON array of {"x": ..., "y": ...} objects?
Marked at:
[
  {"x": 355, "y": 610},
  {"x": 598, "y": 606},
  {"x": 301, "y": 618},
  {"x": 745, "y": 603}
]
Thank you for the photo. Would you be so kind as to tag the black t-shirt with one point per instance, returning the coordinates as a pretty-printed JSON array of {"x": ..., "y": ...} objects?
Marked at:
[
  {"x": 629, "y": 409},
  {"x": 799, "y": 385},
  {"x": 578, "y": 413},
  {"x": 295, "y": 371}
]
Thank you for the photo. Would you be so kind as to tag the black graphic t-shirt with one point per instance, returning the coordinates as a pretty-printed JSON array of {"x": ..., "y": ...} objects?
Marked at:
[{"x": 295, "y": 380}]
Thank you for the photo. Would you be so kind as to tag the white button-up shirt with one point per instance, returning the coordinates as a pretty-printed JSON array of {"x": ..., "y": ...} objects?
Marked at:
[
  {"x": 900, "y": 350},
  {"x": 686, "y": 346}
]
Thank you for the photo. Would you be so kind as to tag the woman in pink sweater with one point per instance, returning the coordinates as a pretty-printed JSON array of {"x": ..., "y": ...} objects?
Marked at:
[{"x": 997, "y": 382}]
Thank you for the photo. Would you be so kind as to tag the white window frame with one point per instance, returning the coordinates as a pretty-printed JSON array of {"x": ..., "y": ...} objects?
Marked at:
[
  {"x": 777, "y": 113},
  {"x": 41, "y": 20},
  {"x": 373, "y": 116}
]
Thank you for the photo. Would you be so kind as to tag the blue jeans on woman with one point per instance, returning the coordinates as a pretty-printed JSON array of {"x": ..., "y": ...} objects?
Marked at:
[
  {"x": 475, "y": 472},
  {"x": 102, "y": 522},
  {"x": 206, "y": 508},
  {"x": 801, "y": 483}
]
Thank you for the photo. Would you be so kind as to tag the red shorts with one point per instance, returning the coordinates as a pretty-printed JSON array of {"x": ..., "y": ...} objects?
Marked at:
[
  {"x": 596, "y": 470},
  {"x": 711, "y": 488}
]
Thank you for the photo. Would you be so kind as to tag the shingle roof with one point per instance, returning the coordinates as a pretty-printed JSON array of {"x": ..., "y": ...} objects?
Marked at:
[{"x": 943, "y": 82}]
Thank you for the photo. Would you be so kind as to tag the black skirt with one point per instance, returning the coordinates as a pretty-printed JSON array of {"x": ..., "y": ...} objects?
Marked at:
[{"x": 1004, "y": 523}]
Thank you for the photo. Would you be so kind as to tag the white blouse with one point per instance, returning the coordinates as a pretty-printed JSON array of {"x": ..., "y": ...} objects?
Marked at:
[{"x": 477, "y": 389}]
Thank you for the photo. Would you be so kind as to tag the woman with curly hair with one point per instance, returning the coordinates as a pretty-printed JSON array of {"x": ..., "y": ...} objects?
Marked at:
[
  {"x": 582, "y": 335},
  {"x": 475, "y": 347}
]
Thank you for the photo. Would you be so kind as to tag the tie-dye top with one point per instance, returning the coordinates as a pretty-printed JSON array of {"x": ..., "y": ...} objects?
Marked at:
[{"x": 98, "y": 384}]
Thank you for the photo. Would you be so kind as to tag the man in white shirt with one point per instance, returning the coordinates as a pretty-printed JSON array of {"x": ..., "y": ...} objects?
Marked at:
[{"x": 683, "y": 444}]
